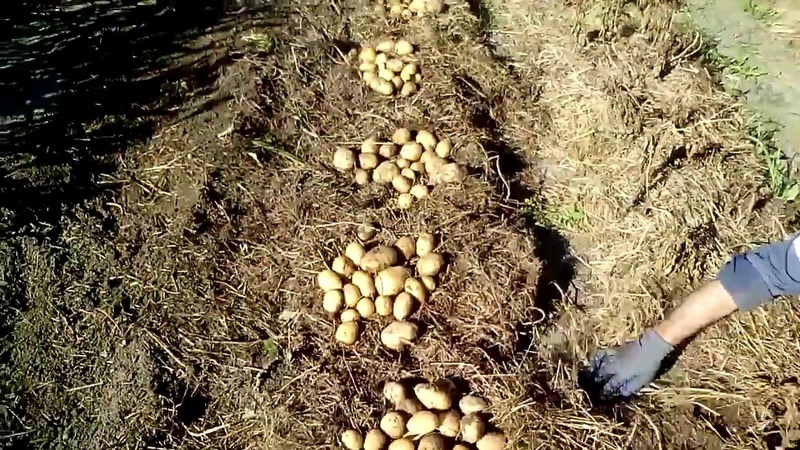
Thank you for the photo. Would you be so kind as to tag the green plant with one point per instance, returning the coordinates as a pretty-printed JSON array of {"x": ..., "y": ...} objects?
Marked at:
[
  {"x": 567, "y": 218},
  {"x": 778, "y": 169}
]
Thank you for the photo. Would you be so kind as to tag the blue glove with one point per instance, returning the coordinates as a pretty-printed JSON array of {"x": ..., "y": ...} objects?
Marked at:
[{"x": 623, "y": 371}]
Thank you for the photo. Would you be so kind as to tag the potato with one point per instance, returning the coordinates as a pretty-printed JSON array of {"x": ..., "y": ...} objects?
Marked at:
[
  {"x": 384, "y": 87},
  {"x": 434, "y": 164},
  {"x": 386, "y": 74},
  {"x": 380, "y": 60},
  {"x": 444, "y": 148},
  {"x": 432, "y": 442},
  {"x": 472, "y": 428},
  {"x": 352, "y": 294},
  {"x": 408, "y": 173},
  {"x": 375, "y": 440},
  {"x": 355, "y": 251},
  {"x": 434, "y": 6},
  {"x": 367, "y": 231},
  {"x": 347, "y": 333},
  {"x": 329, "y": 280},
  {"x": 418, "y": 166},
  {"x": 402, "y": 444},
  {"x": 368, "y": 160},
  {"x": 430, "y": 265},
  {"x": 411, "y": 151},
  {"x": 395, "y": 65},
  {"x": 408, "y": 72},
  {"x": 450, "y": 423},
  {"x": 370, "y": 145},
  {"x": 344, "y": 266},
  {"x": 369, "y": 77},
  {"x": 470, "y": 404},
  {"x": 410, "y": 406},
  {"x": 429, "y": 282},
  {"x": 403, "y": 306},
  {"x": 333, "y": 301},
  {"x": 367, "y": 54},
  {"x": 365, "y": 307},
  {"x": 417, "y": 6},
  {"x": 393, "y": 424},
  {"x": 379, "y": 258},
  {"x": 426, "y": 242},
  {"x": 426, "y": 139},
  {"x": 350, "y": 315},
  {"x": 391, "y": 281},
  {"x": 423, "y": 422},
  {"x": 407, "y": 247},
  {"x": 396, "y": 10},
  {"x": 417, "y": 78},
  {"x": 384, "y": 305},
  {"x": 405, "y": 201},
  {"x": 450, "y": 173},
  {"x": 352, "y": 440},
  {"x": 398, "y": 334},
  {"x": 403, "y": 48},
  {"x": 419, "y": 191},
  {"x": 415, "y": 288},
  {"x": 368, "y": 67},
  {"x": 433, "y": 396},
  {"x": 385, "y": 46},
  {"x": 406, "y": 14},
  {"x": 492, "y": 441},
  {"x": 426, "y": 156},
  {"x": 408, "y": 88},
  {"x": 362, "y": 176},
  {"x": 461, "y": 447},
  {"x": 402, "y": 164},
  {"x": 386, "y": 171},
  {"x": 344, "y": 159},
  {"x": 398, "y": 83},
  {"x": 388, "y": 151},
  {"x": 365, "y": 283},
  {"x": 401, "y": 136},
  {"x": 395, "y": 392},
  {"x": 401, "y": 184}
]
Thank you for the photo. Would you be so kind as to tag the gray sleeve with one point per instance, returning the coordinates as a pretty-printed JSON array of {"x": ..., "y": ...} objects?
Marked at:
[{"x": 759, "y": 275}]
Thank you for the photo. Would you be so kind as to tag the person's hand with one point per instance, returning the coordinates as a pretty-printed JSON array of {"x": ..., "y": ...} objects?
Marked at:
[{"x": 623, "y": 371}]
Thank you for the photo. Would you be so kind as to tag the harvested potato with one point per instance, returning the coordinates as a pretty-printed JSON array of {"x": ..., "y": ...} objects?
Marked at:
[
  {"x": 344, "y": 159},
  {"x": 434, "y": 6},
  {"x": 408, "y": 173},
  {"x": 391, "y": 281},
  {"x": 388, "y": 151},
  {"x": 403, "y": 306},
  {"x": 417, "y": 78},
  {"x": 384, "y": 305},
  {"x": 461, "y": 447},
  {"x": 355, "y": 251},
  {"x": 344, "y": 266},
  {"x": 352, "y": 294},
  {"x": 415, "y": 288},
  {"x": 402, "y": 444},
  {"x": 379, "y": 258},
  {"x": 432, "y": 442},
  {"x": 384, "y": 87},
  {"x": 426, "y": 242},
  {"x": 362, "y": 176},
  {"x": 395, "y": 392},
  {"x": 386, "y": 74},
  {"x": 368, "y": 67},
  {"x": 398, "y": 334},
  {"x": 347, "y": 332},
  {"x": 333, "y": 301},
  {"x": 370, "y": 145},
  {"x": 365, "y": 307},
  {"x": 396, "y": 10},
  {"x": 403, "y": 48},
  {"x": 429, "y": 282},
  {"x": 395, "y": 65},
  {"x": 350, "y": 315},
  {"x": 397, "y": 82},
  {"x": 426, "y": 156},
  {"x": 419, "y": 191},
  {"x": 367, "y": 54},
  {"x": 375, "y": 440},
  {"x": 423, "y": 422},
  {"x": 367, "y": 231},
  {"x": 385, "y": 172},
  {"x": 410, "y": 406},
  {"x": 352, "y": 440},
  {"x": 417, "y": 6},
  {"x": 449, "y": 173},
  {"x": 369, "y": 77},
  {"x": 472, "y": 428},
  {"x": 405, "y": 201},
  {"x": 365, "y": 283},
  {"x": 450, "y": 423},
  {"x": 433, "y": 396},
  {"x": 401, "y": 184},
  {"x": 430, "y": 265},
  {"x": 385, "y": 46},
  {"x": 408, "y": 88},
  {"x": 433, "y": 165},
  {"x": 368, "y": 160},
  {"x": 406, "y": 14},
  {"x": 329, "y": 280},
  {"x": 393, "y": 424},
  {"x": 492, "y": 441},
  {"x": 407, "y": 247},
  {"x": 418, "y": 166},
  {"x": 380, "y": 60},
  {"x": 402, "y": 164},
  {"x": 408, "y": 72},
  {"x": 401, "y": 136},
  {"x": 444, "y": 148},
  {"x": 411, "y": 151},
  {"x": 426, "y": 139},
  {"x": 470, "y": 404}
]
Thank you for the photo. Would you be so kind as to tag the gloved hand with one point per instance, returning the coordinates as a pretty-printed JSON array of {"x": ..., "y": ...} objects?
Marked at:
[{"x": 623, "y": 371}]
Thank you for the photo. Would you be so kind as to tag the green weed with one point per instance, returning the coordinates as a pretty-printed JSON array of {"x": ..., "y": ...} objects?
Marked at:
[
  {"x": 778, "y": 168},
  {"x": 567, "y": 218},
  {"x": 763, "y": 13}
]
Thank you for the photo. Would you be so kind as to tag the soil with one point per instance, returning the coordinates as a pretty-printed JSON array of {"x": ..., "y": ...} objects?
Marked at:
[{"x": 609, "y": 174}]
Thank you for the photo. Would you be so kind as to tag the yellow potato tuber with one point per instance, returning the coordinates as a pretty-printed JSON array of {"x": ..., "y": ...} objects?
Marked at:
[
  {"x": 367, "y": 54},
  {"x": 388, "y": 151},
  {"x": 395, "y": 392},
  {"x": 401, "y": 136},
  {"x": 365, "y": 283},
  {"x": 419, "y": 191},
  {"x": 426, "y": 139},
  {"x": 426, "y": 242},
  {"x": 408, "y": 88},
  {"x": 405, "y": 201},
  {"x": 365, "y": 307},
  {"x": 343, "y": 266},
  {"x": 492, "y": 441},
  {"x": 386, "y": 171},
  {"x": 411, "y": 151},
  {"x": 350, "y": 315},
  {"x": 406, "y": 246},
  {"x": 385, "y": 46},
  {"x": 375, "y": 440},
  {"x": 444, "y": 148},
  {"x": 344, "y": 159},
  {"x": 352, "y": 440},
  {"x": 370, "y": 145},
  {"x": 347, "y": 333},
  {"x": 395, "y": 65},
  {"x": 415, "y": 288},
  {"x": 410, "y": 406},
  {"x": 433, "y": 396},
  {"x": 352, "y": 294},
  {"x": 408, "y": 72},
  {"x": 471, "y": 404},
  {"x": 398, "y": 334},
  {"x": 430, "y": 265},
  {"x": 393, "y": 424},
  {"x": 329, "y": 280},
  {"x": 367, "y": 231},
  {"x": 429, "y": 282},
  {"x": 403, "y": 48},
  {"x": 472, "y": 428},
  {"x": 355, "y": 251},
  {"x": 333, "y": 301},
  {"x": 432, "y": 442},
  {"x": 422, "y": 423},
  {"x": 408, "y": 173},
  {"x": 379, "y": 258},
  {"x": 384, "y": 305},
  {"x": 401, "y": 184},
  {"x": 450, "y": 423},
  {"x": 391, "y": 281},
  {"x": 402, "y": 444},
  {"x": 362, "y": 176},
  {"x": 403, "y": 306}
]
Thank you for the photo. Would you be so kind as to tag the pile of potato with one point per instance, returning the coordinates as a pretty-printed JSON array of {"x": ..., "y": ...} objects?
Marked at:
[
  {"x": 409, "y": 162},
  {"x": 390, "y": 68},
  {"x": 384, "y": 281},
  {"x": 406, "y": 8},
  {"x": 428, "y": 415}
]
